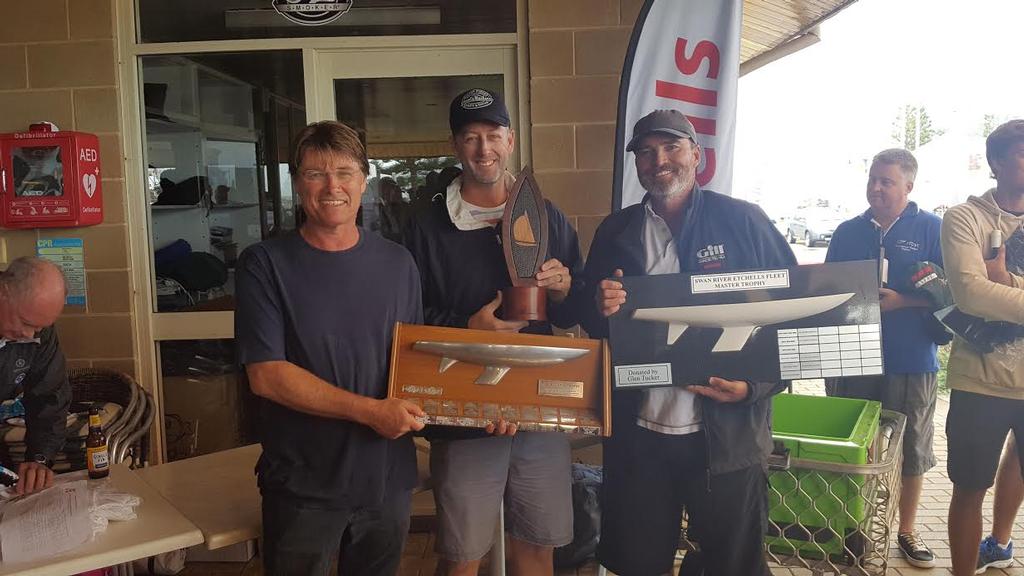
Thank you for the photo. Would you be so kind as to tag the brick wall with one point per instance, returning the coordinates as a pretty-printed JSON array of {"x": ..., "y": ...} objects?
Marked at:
[
  {"x": 576, "y": 53},
  {"x": 58, "y": 62}
]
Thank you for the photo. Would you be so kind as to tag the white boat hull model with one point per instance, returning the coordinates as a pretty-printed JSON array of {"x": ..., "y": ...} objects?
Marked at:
[
  {"x": 497, "y": 359},
  {"x": 738, "y": 321}
]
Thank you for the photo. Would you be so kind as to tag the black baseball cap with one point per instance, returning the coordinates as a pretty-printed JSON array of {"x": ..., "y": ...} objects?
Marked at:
[
  {"x": 477, "y": 105},
  {"x": 671, "y": 122}
]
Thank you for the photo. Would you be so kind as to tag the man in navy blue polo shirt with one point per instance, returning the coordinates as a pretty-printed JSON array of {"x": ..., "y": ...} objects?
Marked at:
[{"x": 898, "y": 234}]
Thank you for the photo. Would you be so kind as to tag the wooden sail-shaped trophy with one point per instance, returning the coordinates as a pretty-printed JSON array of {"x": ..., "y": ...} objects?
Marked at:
[{"x": 524, "y": 237}]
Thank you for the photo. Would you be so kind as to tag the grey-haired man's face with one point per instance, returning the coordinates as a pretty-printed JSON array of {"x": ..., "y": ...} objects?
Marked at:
[
  {"x": 888, "y": 189},
  {"x": 666, "y": 165},
  {"x": 24, "y": 317}
]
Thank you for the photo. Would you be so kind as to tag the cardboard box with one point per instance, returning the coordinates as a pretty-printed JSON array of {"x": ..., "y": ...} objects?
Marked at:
[{"x": 210, "y": 407}]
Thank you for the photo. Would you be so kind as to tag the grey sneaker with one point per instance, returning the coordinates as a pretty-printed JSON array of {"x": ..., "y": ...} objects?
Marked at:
[{"x": 915, "y": 551}]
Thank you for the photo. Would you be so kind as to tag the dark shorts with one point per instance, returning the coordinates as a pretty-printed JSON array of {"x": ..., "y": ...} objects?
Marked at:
[
  {"x": 302, "y": 540},
  {"x": 976, "y": 428},
  {"x": 913, "y": 395},
  {"x": 647, "y": 484}
]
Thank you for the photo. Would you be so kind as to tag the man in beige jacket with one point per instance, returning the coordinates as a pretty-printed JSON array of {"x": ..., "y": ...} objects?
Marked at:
[{"x": 987, "y": 401}]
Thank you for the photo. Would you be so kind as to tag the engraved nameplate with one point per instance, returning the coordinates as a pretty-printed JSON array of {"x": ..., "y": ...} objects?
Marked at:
[
  {"x": 560, "y": 388},
  {"x": 423, "y": 390}
]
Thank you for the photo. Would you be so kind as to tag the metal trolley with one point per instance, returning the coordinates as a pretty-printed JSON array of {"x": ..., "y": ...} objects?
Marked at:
[{"x": 833, "y": 518}]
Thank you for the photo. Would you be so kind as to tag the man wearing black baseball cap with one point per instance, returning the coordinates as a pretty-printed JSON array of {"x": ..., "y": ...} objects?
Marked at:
[
  {"x": 457, "y": 246},
  {"x": 698, "y": 445},
  {"x": 477, "y": 105}
]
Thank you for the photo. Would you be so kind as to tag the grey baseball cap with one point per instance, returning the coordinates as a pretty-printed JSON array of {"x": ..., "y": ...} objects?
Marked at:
[{"x": 671, "y": 122}]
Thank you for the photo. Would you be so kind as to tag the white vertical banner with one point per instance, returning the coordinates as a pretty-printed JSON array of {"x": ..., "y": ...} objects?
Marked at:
[{"x": 683, "y": 55}]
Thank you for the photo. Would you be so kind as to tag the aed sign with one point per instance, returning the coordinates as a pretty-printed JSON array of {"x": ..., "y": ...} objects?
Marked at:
[{"x": 50, "y": 179}]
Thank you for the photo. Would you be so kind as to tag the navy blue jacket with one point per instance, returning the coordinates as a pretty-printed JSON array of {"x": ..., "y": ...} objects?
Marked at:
[
  {"x": 907, "y": 344},
  {"x": 738, "y": 434},
  {"x": 462, "y": 270}
]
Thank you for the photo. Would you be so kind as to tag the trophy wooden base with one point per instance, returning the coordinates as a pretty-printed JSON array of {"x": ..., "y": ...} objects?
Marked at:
[
  {"x": 472, "y": 378},
  {"x": 524, "y": 303}
]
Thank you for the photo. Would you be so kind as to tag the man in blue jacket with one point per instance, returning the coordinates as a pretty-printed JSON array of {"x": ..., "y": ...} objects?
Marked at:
[
  {"x": 898, "y": 234},
  {"x": 702, "y": 446}
]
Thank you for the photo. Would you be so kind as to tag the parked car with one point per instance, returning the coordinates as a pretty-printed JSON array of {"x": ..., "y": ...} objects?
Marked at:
[
  {"x": 781, "y": 224},
  {"x": 812, "y": 227}
]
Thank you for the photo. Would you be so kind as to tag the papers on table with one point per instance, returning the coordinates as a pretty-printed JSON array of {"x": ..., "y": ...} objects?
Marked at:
[{"x": 46, "y": 523}]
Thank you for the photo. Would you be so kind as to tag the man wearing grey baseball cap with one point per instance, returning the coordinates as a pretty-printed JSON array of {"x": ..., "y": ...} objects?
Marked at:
[
  {"x": 456, "y": 243},
  {"x": 701, "y": 446},
  {"x": 667, "y": 122}
]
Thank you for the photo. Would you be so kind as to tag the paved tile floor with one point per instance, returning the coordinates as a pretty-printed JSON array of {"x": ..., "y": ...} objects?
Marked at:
[{"x": 419, "y": 559}]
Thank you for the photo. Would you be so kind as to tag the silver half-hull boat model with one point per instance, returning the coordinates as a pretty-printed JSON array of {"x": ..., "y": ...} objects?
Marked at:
[
  {"x": 739, "y": 320},
  {"x": 497, "y": 359}
]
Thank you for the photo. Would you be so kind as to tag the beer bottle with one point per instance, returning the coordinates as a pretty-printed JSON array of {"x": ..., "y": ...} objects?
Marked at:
[{"x": 96, "y": 454}]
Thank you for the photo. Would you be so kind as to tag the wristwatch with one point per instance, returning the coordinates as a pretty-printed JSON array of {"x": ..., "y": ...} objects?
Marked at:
[{"x": 40, "y": 459}]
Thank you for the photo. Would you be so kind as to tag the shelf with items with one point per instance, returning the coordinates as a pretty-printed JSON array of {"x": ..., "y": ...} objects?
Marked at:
[
  {"x": 171, "y": 89},
  {"x": 162, "y": 207},
  {"x": 220, "y": 96},
  {"x": 204, "y": 178},
  {"x": 234, "y": 205}
]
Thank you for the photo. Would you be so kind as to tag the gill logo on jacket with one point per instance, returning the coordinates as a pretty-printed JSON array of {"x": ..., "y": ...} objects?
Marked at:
[
  {"x": 907, "y": 245},
  {"x": 712, "y": 256}
]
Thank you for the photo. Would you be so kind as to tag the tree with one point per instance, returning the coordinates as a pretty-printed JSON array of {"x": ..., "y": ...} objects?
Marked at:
[
  {"x": 990, "y": 122},
  {"x": 913, "y": 128},
  {"x": 410, "y": 173}
]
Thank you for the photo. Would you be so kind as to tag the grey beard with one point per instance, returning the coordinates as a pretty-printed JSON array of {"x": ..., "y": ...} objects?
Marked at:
[{"x": 664, "y": 193}]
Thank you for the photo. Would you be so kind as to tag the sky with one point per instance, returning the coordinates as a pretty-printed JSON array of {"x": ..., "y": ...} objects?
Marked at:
[{"x": 808, "y": 124}]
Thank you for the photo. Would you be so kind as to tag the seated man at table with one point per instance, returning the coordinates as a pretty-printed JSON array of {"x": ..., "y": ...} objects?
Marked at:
[
  {"x": 316, "y": 310},
  {"x": 32, "y": 294}
]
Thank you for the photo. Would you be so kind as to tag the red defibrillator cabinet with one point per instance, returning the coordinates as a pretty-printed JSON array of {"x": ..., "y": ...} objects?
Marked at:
[{"x": 49, "y": 179}]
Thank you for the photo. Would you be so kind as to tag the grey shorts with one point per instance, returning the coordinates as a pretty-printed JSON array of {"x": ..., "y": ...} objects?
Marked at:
[
  {"x": 533, "y": 472},
  {"x": 911, "y": 394}
]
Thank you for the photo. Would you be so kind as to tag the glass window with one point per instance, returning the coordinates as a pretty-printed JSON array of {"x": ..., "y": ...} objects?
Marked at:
[
  {"x": 207, "y": 403},
  {"x": 214, "y": 124},
  {"x": 191, "y": 20},
  {"x": 37, "y": 171},
  {"x": 404, "y": 122}
]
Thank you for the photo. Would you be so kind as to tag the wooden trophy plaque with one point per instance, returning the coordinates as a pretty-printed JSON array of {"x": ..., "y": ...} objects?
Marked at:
[
  {"x": 524, "y": 238},
  {"x": 471, "y": 378}
]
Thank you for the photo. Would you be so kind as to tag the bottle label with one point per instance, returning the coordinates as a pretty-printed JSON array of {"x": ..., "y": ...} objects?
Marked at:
[
  {"x": 97, "y": 458},
  {"x": 94, "y": 420}
]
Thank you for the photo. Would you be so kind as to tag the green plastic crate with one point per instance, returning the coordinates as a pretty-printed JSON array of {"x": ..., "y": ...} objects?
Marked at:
[{"x": 828, "y": 506}]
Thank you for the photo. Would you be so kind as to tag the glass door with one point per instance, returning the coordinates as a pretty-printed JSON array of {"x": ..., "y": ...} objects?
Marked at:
[
  {"x": 215, "y": 133},
  {"x": 216, "y": 129},
  {"x": 397, "y": 99}
]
